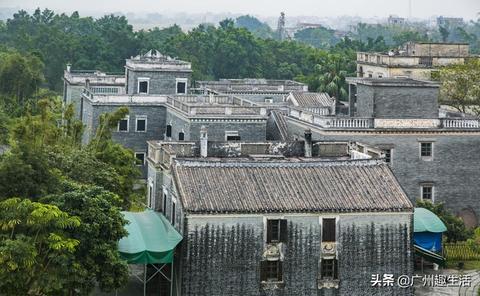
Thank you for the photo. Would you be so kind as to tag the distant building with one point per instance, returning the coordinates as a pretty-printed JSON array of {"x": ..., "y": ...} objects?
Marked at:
[
  {"x": 396, "y": 20},
  {"x": 254, "y": 89},
  {"x": 414, "y": 60},
  {"x": 274, "y": 225},
  {"x": 451, "y": 22}
]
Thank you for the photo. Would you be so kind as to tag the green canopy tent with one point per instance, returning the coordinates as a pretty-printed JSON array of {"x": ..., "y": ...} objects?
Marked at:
[{"x": 151, "y": 240}]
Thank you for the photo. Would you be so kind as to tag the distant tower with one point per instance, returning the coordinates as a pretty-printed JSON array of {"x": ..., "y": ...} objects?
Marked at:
[{"x": 281, "y": 27}]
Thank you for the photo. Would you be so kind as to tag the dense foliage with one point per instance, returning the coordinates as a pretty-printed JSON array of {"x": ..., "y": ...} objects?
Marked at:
[{"x": 60, "y": 201}]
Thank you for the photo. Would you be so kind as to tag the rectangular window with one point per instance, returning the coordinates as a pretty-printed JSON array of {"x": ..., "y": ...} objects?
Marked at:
[
  {"x": 123, "y": 125},
  {"x": 271, "y": 271},
  {"x": 140, "y": 158},
  {"x": 232, "y": 136},
  {"x": 388, "y": 155},
  {"x": 143, "y": 86},
  {"x": 169, "y": 131},
  {"x": 150, "y": 196},
  {"x": 426, "y": 150},
  {"x": 173, "y": 213},
  {"x": 164, "y": 208},
  {"x": 276, "y": 230},
  {"x": 181, "y": 136},
  {"x": 427, "y": 192},
  {"x": 181, "y": 85},
  {"x": 328, "y": 230},
  {"x": 141, "y": 124},
  {"x": 329, "y": 269}
]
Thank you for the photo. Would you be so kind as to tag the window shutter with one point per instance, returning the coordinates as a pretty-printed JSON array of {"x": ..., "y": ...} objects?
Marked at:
[
  {"x": 263, "y": 271},
  {"x": 269, "y": 231},
  {"x": 328, "y": 230},
  {"x": 280, "y": 271},
  {"x": 283, "y": 231}
]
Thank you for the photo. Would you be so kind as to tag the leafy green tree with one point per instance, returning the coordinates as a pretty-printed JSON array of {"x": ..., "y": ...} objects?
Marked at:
[
  {"x": 255, "y": 26},
  {"x": 96, "y": 259},
  {"x": 331, "y": 73},
  {"x": 460, "y": 86},
  {"x": 456, "y": 230},
  {"x": 20, "y": 79},
  {"x": 319, "y": 37},
  {"x": 35, "y": 247}
]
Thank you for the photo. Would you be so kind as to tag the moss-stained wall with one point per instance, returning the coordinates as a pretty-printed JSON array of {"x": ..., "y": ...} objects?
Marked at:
[{"x": 221, "y": 255}]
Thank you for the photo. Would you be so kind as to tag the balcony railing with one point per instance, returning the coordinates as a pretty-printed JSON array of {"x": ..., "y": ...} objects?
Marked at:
[
  {"x": 460, "y": 123},
  {"x": 329, "y": 121}
]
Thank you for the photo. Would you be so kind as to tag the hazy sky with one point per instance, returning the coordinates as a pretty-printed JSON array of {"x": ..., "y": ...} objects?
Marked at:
[{"x": 468, "y": 9}]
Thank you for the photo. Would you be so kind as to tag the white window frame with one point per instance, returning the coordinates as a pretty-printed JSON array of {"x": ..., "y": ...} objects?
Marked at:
[
  {"x": 144, "y": 157},
  {"x": 427, "y": 184},
  {"x": 269, "y": 101},
  {"x": 140, "y": 117},
  {"x": 426, "y": 158},
  {"x": 151, "y": 192},
  {"x": 181, "y": 80},
  {"x": 143, "y": 79},
  {"x": 127, "y": 118}
]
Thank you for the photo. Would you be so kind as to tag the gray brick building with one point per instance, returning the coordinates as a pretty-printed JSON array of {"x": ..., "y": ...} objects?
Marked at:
[
  {"x": 433, "y": 154},
  {"x": 283, "y": 226}
]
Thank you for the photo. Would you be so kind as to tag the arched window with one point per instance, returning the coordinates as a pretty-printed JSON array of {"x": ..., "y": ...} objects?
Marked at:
[
  {"x": 181, "y": 136},
  {"x": 169, "y": 131}
]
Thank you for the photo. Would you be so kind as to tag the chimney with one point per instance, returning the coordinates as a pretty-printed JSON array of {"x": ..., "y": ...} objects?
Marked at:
[
  {"x": 203, "y": 141},
  {"x": 308, "y": 143},
  {"x": 87, "y": 83}
]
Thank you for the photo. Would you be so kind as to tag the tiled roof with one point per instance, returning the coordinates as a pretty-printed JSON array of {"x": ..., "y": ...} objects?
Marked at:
[
  {"x": 286, "y": 186},
  {"x": 312, "y": 99}
]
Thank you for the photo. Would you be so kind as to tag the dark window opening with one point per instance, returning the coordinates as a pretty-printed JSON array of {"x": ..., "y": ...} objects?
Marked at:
[
  {"x": 271, "y": 271},
  {"x": 426, "y": 149},
  {"x": 173, "y": 213},
  {"x": 276, "y": 231},
  {"x": 143, "y": 87},
  {"x": 123, "y": 125},
  {"x": 427, "y": 192},
  {"x": 181, "y": 87},
  {"x": 150, "y": 196},
  {"x": 141, "y": 125},
  {"x": 329, "y": 269},
  {"x": 233, "y": 138},
  {"x": 426, "y": 61},
  {"x": 388, "y": 155},
  {"x": 181, "y": 136},
  {"x": 164, "y": 209},
  {"x": 169, "y": 131},
  {"x": 328, "y": 230},
  {"x": 140, "y": 158}
]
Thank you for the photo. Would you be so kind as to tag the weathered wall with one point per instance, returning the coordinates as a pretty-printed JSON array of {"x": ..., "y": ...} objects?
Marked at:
[
  {"x": 397, "y": 102},
  {"x": 136, "y": 141},
  {"x": 221, "y": 255},
  {"x": 160, "y": 82},
  {"x": 453, "y": 171}
]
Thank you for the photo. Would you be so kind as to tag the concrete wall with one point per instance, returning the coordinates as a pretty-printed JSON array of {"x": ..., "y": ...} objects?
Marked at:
[
  {"x": 73, "y": 95},
  {"x": 397, "y": 102},
  {"x": 221, "y": 254},
  {"x": 248, "y": 130},
  {"x": 160, "y": 82}
]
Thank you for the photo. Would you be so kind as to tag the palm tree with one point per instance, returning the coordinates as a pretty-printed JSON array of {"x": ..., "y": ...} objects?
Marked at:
[{"x": 332, "y": 74}]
